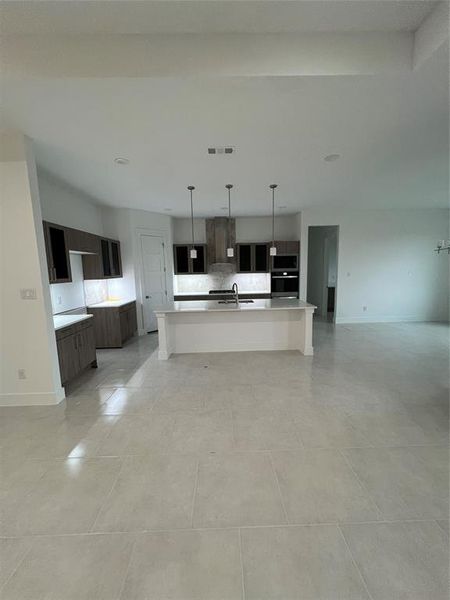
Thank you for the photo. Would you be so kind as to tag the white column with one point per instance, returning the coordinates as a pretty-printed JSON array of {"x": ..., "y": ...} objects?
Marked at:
[
  {"x": 163, "y": 337},
  {"x": 306, "y": 331},
  {"x": 28, "y": 354}
]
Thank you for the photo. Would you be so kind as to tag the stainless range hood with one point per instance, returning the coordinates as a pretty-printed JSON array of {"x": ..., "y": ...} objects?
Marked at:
[{"x": 218, "y": 231}]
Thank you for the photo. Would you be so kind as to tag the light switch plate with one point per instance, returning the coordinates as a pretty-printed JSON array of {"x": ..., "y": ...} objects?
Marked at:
[{"x": 28, "y": 294}]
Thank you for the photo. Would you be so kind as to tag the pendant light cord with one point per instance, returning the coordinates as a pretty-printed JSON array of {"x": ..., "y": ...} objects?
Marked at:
[
  {"x": 273, "y": 216},
  {"x": 229, "y": 218},
  {"x": 190, "y": 188}
]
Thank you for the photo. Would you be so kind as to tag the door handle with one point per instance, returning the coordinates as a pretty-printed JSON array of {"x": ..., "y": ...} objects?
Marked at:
[{"x": 148, "y": 297}]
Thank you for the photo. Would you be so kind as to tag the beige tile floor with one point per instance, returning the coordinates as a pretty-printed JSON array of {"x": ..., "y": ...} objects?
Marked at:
[{"x": 239, "y": 475}]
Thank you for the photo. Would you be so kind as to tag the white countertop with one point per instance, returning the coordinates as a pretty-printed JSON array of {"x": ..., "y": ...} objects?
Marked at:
[
  {"x": 110, "y": 303},
  {"x": 214, "y": 305},
  {"x": 224, "y": 293},
  {"x": 61, "y": 321}
]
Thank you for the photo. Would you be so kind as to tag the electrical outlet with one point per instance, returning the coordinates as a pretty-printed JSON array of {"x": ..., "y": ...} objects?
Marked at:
[{"x": 21, "y": 373}]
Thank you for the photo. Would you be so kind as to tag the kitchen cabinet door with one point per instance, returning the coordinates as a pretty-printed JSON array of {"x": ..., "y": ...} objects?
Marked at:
[
  {"x": 244, "y": 252},
  {"x": 124, "y": 326},
  {"x": 69, "y": 358},
  {"x": 82, "y": 241},
  {"x": 260, "y": 258},
  {"x": 181, "y": 259},
  {"x": 106, "y": 263},
  {"x": 116, "y": 263},
  {"x": 184, "y": 264},
  {"x": 86, "y": 346},
  {"x": 57, "y": 251},
  {"x": 198, "y": 265}
]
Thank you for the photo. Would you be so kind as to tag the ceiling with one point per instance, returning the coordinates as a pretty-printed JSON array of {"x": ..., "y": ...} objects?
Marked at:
[
  {"x": 390, "y": 129},
  {"x": 218, "y": 16}
]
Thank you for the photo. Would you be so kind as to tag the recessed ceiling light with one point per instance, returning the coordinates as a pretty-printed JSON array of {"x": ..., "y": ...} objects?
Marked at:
[
  {"x": 121, "y": 161},
  {"x": 332, "y": 157}
]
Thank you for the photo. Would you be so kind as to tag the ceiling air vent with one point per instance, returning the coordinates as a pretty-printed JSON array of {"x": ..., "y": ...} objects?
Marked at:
[{"x": 221, "y": 150}]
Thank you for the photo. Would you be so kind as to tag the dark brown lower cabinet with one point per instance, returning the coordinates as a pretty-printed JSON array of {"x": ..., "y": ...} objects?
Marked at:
[
  {"x": 114, "y": 325},
  {"x": 76, "y": 349}
]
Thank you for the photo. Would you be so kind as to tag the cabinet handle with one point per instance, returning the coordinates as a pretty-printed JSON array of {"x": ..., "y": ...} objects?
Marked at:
[
  {"x": 75, "y": 341},
  {"x": 80, "y": 341}
]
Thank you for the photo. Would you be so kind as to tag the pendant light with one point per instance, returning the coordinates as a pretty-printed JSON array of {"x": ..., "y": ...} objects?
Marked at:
[
  {"x": 193, "y": 252},
  {"x": 230, "y": 249},
  {"x": 273, "y": 250}
]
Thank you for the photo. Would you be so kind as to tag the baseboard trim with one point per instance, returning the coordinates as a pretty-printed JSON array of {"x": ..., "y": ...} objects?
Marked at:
[
  {"x": 30, "y": 399},
  {"x": 387, "y": 319}
]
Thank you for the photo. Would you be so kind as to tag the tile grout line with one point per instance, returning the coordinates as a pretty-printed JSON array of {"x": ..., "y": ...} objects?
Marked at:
[
  {"x": 242, "y": 564},
  {"x": 119, "y": 596},
  {"x": 14, "y": 571},
  {"x": 107, "y": 496},
  {"x": 225, "y": 528},
  {"x": 363, "y": 487},
  {"x": 279, "y": 487},
  {"x": 354, "y": 562},
  {"x": 194, "y": 494}
]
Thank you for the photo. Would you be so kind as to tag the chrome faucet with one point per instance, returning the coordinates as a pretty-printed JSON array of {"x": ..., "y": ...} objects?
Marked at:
[{"x": 235, "y": 289}]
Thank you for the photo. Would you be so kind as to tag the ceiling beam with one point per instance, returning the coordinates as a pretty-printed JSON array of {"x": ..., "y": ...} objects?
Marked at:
[
  {"x": 223, "y": 55},
  {"x": 433, "y": 32}
]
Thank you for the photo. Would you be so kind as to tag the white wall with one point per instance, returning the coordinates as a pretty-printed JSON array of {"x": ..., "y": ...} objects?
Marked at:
[
  {"x": 259, "y": 229},
  {"x": 386, "y": 263},
  {"x": 27, "y": 337},
  {"x": 127, "y": 225},
  {"x": 68, "y": 296},
  {"x": 248, "y": 229},
  {"x": 67, "y": 206}
]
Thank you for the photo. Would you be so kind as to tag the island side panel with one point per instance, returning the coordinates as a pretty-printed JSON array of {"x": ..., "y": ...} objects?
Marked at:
[
  {"x": 305, "y": 326},
  {"x": 234, "y": 331},
  {"x": 164, "y": 336}
]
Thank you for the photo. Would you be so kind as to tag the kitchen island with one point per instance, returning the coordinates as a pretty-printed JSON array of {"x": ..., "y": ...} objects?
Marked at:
[{"x": 215, "y": 326}]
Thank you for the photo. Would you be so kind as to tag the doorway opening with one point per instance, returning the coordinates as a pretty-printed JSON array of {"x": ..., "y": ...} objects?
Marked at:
[
  {"x": 154, "y": 281},
  {"x": 323, "y": 242}
]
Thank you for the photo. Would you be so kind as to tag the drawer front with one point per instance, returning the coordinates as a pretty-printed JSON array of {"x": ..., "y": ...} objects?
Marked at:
[{"x": 127, "y": 306}]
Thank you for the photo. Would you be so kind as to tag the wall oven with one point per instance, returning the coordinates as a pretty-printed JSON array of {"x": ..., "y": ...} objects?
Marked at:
[
  {"x": 284, "y": 284},
  {"x": 285, "y": 262}
]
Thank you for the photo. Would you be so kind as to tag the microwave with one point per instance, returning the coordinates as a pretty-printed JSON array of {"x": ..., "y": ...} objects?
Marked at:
[{"x": 285, "y": 262}]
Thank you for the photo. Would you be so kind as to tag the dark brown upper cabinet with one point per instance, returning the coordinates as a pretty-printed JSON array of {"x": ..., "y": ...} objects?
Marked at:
[
  {"x": 287, "y": 247},
  {"x": 253, "y": 258},
  {"x": 106, "y": 263},
  {"x": 82, "y": 241},
  {"x": 101, "y": 256},
  {"x": 184, "y": 264},
  {"x": 57, "y": 250}
]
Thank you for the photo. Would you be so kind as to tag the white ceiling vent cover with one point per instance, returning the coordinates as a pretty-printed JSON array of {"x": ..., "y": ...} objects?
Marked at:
[{"x": 222, "y": 150}]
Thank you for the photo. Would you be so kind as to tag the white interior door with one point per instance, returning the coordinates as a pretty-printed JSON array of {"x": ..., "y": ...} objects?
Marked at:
[{"x": 154, "y": 278}]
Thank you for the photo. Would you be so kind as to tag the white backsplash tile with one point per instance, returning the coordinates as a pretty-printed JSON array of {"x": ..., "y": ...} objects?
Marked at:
[
  {"x": 95, "y": 290},
  {"x": 69, "y": 296},
  {"x": 247, "y": 282}
]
